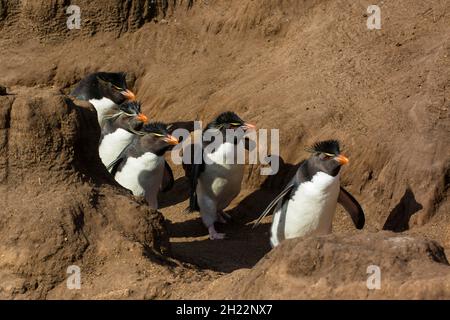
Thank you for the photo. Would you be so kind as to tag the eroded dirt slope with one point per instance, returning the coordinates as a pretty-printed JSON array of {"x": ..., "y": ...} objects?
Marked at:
[{"x": 309, "y": 68}]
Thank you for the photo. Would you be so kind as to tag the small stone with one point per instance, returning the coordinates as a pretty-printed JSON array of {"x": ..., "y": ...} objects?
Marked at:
[{"x": 3, "y": 91}]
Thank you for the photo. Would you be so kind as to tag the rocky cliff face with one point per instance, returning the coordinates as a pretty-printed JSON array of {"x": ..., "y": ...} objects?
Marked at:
[
  {"x": 311, "y": 69},
  {"x": 48, "y": 19},
  {"x": 59, "y": 206}
]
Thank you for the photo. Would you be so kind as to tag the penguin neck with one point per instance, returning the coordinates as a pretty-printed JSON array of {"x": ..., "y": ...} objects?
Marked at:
[
  {"x": 308, "y": 170},
  {"x": 114, "y": 122},
  {"x": 225, "y": 153},
  {"x": 103, "y": 106},
  {"x": 158, "y": 152},
  {"x": 147, "y": 160},
  {"x": 320, "y": 194},
  {"x": 324, "y": 182}
]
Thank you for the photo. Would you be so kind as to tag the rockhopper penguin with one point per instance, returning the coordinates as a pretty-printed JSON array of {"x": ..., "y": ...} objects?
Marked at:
[
  {"x": 141, "y": 165},
  {"x": 118, "y": 129},
  {"x": 216, "y": 182},
  {"x": 308, "y": 203},
  {"x": 104, "y": 90}
]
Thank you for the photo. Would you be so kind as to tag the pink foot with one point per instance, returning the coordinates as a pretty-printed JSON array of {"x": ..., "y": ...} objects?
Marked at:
[{"x": 214, "y": 235}]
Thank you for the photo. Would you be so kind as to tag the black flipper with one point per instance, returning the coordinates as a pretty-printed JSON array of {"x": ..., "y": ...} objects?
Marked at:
[
  {"x": 352, "y": 207},
  {"x": 168, "y": 179},
  {"x": 281, "y": 197},
  {"x": 114, "y": 166},
  {"x": 300, "y": 176},
  {"x": 196, "y": 170}
]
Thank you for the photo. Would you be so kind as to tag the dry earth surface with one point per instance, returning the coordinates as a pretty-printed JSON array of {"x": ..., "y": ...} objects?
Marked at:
[{"x": 310, "y": 68}]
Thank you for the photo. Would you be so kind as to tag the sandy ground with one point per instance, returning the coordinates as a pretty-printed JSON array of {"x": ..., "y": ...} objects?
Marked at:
[{"x": 309, "y": 68}]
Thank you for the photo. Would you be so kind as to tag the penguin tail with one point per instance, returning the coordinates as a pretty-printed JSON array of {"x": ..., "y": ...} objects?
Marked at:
[{"x": 193, "y": 204}]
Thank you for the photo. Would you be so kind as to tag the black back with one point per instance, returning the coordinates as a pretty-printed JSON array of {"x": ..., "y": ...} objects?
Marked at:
[{"x": 100, "y": 85}]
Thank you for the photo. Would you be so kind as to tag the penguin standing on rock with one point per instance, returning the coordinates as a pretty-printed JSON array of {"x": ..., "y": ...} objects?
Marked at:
[
  {"x": 118, "y": 130},
  {"x": 140, "y": 167},
  {"x": 308, "y": 203},
  {"x": 104, "y": 90},
  {"x": 216, "y": 182}
]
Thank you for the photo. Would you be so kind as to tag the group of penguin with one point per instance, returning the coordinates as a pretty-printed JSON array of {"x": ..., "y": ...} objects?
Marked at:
[{"x": 132, "y": 149}]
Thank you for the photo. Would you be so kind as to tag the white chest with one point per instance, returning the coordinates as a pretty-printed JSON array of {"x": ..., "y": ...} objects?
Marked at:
[
  {"x": 113, "y": 144},
  {"x": 225, "y": 155},
  {"x": 222, "y": 178},
  {"x": 310, "y": 210},
  {"x": 142, "y": 175},
  {"x": 102, "y": 106}
]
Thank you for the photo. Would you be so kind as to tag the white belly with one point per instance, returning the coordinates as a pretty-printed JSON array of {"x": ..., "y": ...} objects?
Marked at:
[
  {"x": 102, "y": 107},
  {"x": 143, "y": 176},
  {"x": 221, "y": 181},
  {"x": 113, "y": 144},
  {"x": 310, "y": 211}
]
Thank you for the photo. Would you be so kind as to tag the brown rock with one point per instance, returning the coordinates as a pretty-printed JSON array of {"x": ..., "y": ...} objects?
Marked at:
[
  {"x": 387, "y": 105},
  {"x": 59, "y": 205},
  {"x": 336, "y": 267}
]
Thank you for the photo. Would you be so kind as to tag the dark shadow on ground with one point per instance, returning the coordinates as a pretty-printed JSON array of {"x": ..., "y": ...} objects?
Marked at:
[
  {"x": 244, "y": 246},
  {"x": 178, "y": 194},
  {"x": 398, "y": 219}
]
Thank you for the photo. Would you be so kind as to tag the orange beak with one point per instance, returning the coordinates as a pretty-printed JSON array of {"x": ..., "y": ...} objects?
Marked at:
[
  {"x": 171, "y": 140},
  {"x": 129, "y": 95},
  {"x": 248, "y": 126},
  {"x": 343, "y": 160},
  {"x": 142, "y": 117}
]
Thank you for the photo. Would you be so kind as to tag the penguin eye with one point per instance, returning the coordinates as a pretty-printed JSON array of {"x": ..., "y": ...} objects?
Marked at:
[
  {"x": 327, "y": 156},
  {"x": 117, "y": 88},
  {"x": 158, "y": 135},
  {"x": 235, "y": 124}
]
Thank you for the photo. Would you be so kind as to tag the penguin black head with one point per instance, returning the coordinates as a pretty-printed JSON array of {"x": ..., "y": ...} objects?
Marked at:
[
  {"x": 156, "y": 138},
  {"x": 229, "y": 120},
  {"x": 130, "y": 117},
  {"x": 326, "y": 157},
  {"x": 101, "y": 85},
  {"x": 133, "y": 109}
]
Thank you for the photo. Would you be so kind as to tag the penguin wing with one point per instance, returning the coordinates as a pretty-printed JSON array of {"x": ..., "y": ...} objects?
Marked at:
[
  {"x": 281, "y": 197},
  {"x": 352, "y": 207},
  {"x": 168, "y": 179},
  {"x": 113, "y": 166},
  {"x": 196, "y": 170}
]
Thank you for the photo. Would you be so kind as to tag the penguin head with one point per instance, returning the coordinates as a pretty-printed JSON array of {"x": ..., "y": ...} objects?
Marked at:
[
  {"x": 111, "y": 85},
  {"x": 156, "y": 138},
  {"x": 114, "y": 87},
  {"x": 326, "y": 157},
  {"x": 229, "y": 121},
  {"x": 131, "y": 116}
]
